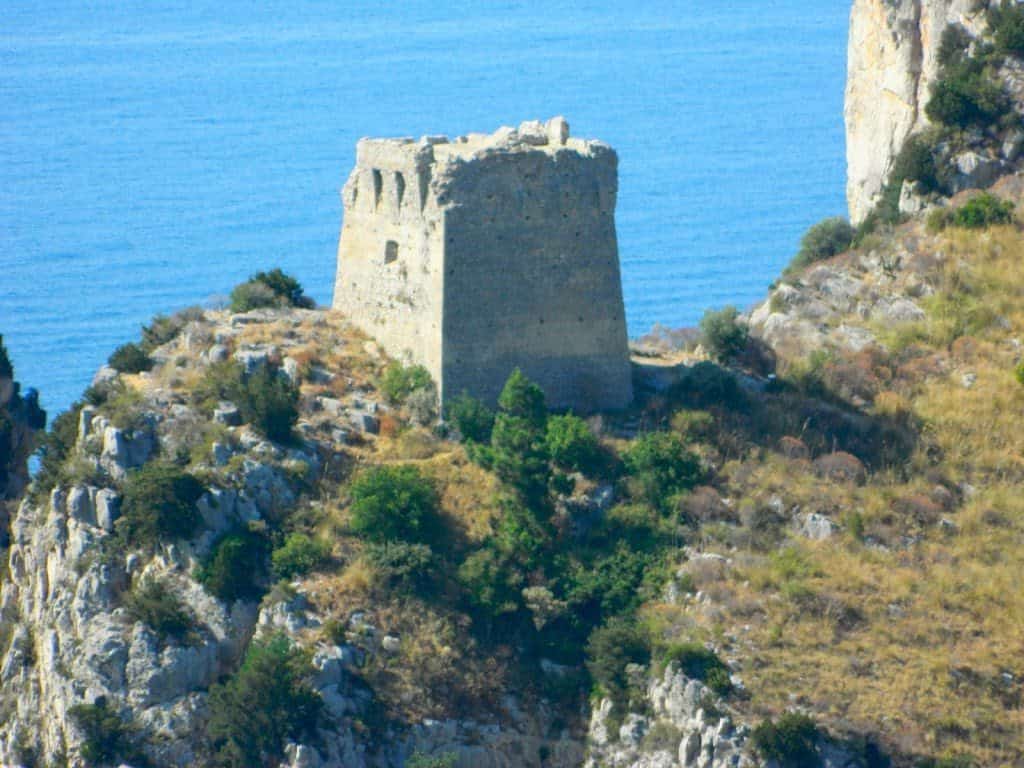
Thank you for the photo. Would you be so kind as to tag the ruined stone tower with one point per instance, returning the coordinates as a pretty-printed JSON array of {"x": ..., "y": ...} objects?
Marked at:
[{"x": 478, "y": 255}]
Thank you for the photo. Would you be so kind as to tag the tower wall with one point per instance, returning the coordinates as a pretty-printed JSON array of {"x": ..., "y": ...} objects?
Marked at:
[
  {"x": 389, "y": 278},
  {"x": 487, "y": 253},
  {"x": 532, "y": 278}
]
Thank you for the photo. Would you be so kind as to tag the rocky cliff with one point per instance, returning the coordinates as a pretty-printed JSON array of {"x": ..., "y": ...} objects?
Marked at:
[{"x": 892, "y": 64}]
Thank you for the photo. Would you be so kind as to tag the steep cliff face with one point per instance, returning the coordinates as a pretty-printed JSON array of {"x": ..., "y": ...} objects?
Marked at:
[{"x": 892, "y": 63}]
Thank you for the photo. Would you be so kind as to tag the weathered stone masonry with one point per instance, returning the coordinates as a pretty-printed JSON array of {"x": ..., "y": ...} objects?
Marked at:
[{"x": 477, "y": 255}]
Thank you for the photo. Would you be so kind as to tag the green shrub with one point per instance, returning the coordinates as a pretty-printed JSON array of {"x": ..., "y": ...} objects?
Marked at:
[
  {"x": 269, "y": 289},
  {"x": 1018, "y": 373},
  {"x": 270, "y": 403},
  {"x": 660, "y": 467},
  {"x": 916, "y": 161},
  {"x": 130, "y": 358},
  {"x": 400, "y": 381},
  {"x": 1006, "y": 22},
  {"x": 824, "y": 240},
  {"x": 609, "y": 649},
  {"x": 611, "y": 585},
  {"x": 471, "y": 417},
  {"x": 965, "y": 96},
  {"x": 299, "y": 555},
  {"x": 163, "y": 329},
  {"x": 792, "y": 741},
  {"x": 395, "y": 503},
  {"x": 156, "y": 605},
  {"x": 267, "y": 703},
  {"x": 251, "y": 295},
  {"x": 265, "y": 399},
  {"x": 236, "y": 569},
  {"x": 953, "y": 45},
  {"x": 54, "y": 449},
  {"x": 984, "y": 210},
  {"x": 572, "y": 445},
  {"x": 700, "y": 663},
  {"x": 721, "y": 333},
  {"x": 107, "y": 738},
  {"x": 159, "y": 504},
  {"x": 402, "y": 566}
]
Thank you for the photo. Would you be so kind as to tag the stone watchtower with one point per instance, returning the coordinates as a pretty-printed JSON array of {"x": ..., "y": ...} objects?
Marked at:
[{"x": 476, "y": 256}]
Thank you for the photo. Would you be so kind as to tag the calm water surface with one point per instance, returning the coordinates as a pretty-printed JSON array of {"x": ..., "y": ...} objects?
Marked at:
[{"x": 153, "y": 154}]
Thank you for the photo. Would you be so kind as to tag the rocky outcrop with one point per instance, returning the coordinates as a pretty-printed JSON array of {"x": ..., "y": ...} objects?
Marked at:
[
  {"x": 682, "y": 726},
  {"x": 891, "y": 65}
]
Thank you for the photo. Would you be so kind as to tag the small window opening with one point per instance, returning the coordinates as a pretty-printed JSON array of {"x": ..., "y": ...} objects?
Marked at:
[
  {"x": 400, "y": 186},
  {"x": 390, "y": 252},
  {"x": 378, "y": 187}
]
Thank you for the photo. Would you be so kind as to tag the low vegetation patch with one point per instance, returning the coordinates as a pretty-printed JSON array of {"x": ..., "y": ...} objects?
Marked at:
[
  {"x": 155, "y": 604},
  {"x": 981, "y": 211},
  {"x": 159, "y": 505},
  {"x": 107, "y": 739},
  {"x": 265, "y": 398}
]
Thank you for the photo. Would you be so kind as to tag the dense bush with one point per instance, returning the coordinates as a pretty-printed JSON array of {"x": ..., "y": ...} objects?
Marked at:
[
  {"x": 700, "y": 663},
  {"x": 965, "y": 96},
  {"x": 399, "y": 381},
  {"x": 572, "y": 445},
  {"x": 824, "y": 240},
  {"x": 1006, "y": 21},
  {"x": 236, "y": 569},
  {"x": 660, "y": 467},
  {"x": 270, "y": 403},
  {"x": 721, "y": 333},
  {"x": 706, "y": 384},
  {"x": 130, "y": 358},
  {"x": 984, "y": 210},
  {"x": 156, "y": 605},
  {"x": 403, "y": 566},
  {"x": 299, "y": 555},
  {"x": 266, "y": 704},
  {"x": 610, "y": 585},
  {"x": 107, "y": 738},
  {"x": 792, "y": 741},
  {"x": 471, "y": 418},
  {"x": 265, "y": 398},
  {"x": 395, "y": 503},
  {"x": 609, "y": 649},
  {"x": 269, "y": 289},
  {"x": 953, "y": 45},
  {"x": 159, "y": 504}
]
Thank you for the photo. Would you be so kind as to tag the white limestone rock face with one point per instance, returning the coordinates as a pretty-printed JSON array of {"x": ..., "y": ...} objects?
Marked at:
[{"x": 891, "y": 65}]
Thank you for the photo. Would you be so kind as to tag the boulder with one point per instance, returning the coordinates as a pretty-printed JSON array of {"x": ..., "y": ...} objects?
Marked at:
[
  {"x": 975, "y": 171},
  {"x": 227, "y": 414}
]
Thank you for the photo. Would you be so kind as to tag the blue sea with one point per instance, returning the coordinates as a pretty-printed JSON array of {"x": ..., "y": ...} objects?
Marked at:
[{"x": 155, "y": 153}]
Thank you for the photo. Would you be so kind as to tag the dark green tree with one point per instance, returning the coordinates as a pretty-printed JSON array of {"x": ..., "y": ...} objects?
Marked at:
[{"x": 267, "y": 703}]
